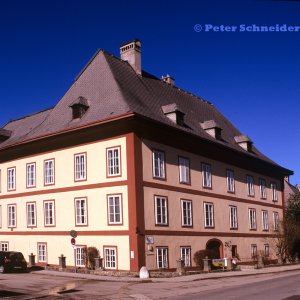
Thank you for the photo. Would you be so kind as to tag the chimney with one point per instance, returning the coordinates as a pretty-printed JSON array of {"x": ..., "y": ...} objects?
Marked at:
[
  {"x": 131, "y": 52},
  {"x": 168, "y": 79}
]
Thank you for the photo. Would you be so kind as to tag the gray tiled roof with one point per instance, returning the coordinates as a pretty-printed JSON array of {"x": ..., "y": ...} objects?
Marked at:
[{"x": 113, "y": 88}]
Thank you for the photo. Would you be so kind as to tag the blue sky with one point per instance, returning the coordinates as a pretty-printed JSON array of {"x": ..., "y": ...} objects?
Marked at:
[{"x": 252, "y": 77}]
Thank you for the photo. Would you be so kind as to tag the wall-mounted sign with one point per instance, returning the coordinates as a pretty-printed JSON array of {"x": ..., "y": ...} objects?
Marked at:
[{"x": 149, "y": 239}]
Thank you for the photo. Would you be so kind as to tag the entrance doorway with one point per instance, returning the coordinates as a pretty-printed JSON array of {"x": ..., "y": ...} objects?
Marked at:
[{"x": 216, "y": 247}]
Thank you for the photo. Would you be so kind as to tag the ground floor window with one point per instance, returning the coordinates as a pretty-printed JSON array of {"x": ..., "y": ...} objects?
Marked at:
[
  {"x": 185, "y": 255},
  {"x": 79, "y": 256},
  {"x": 110, "y": 257},
  {"x": 253, "y": 250},
  {"x": 4, "y": 246},
  {"x": 42, "y": 252},
  {"x": 267, "y": 250},
  {"x": 162, "y": 257}
]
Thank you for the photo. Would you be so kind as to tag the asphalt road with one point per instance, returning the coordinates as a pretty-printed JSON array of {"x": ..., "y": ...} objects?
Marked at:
[{"x": 265, "y": 286}]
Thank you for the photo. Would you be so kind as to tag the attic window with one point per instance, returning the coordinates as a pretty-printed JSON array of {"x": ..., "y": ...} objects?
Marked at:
[
  {"x": 212, "y": 128},
  {"x": 173, "y": 113},
  {"x": 244, "y": 142},
  {"x": 4, "y": 134},
  {"x": 79, "y": 107}
]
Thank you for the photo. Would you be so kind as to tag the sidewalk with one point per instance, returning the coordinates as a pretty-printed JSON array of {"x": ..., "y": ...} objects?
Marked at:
[{"x": 187, "y": 278}]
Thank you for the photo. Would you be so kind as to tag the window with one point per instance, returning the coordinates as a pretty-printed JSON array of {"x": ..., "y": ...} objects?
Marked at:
[
  {"x": 208, "y": 215},
  {"x": 81, "y": 211},
  {"x": 161, "y": 210},
  {"x": 276, "y": 220},
  {"x": 0, "y": 216},
  {"x": 11, "y": 179},
  {"x": 265, "y": 220},
  {"x": 0, "y": 182},
  {"x": 42, "y": 252},
  {"x": 250, "y": 185},
  {"x": 31, "y": 214},
  {"x": 274, "y": 192},
  {"x": 230, "y": 181},
  {"x": 30, "y": 175},
  {"x": 114, "y": 204},
  {"x": 12, "y": 215},
  {"x": 186, "y": 213},
  {"x": 233, "y": 217},
  {"x": 267, "y": 250},
  {"x": 49, "y": 172},
  {"x": 252, "y": 218},
  {"x": 113, "y": 162},
  {"x": 184, "y": 170},
  {"x": 80, "y": 167},
  {"x": 49, "y": 213},
  {"x": 79, "y": 256},
  {"x": 253, "y": 250},
  {"x": 206, "y": 175},
  {"x": 4, "y": 246},
  {"x": 110, "y": 257},
  {"x": 159, "y": 164},
  {"x": 185, "y": 255},
  {"x": 263, "y": 189},
  {"x": 162, "y": 257}
]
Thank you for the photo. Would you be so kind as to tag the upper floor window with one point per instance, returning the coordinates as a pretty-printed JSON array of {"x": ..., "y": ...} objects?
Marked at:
[
  {"x": 114, "y": 204},
  {"x": 11, "y": 179},
  {"x": 49, "y": 213},
  {"x": 274, "y": 192},
  {"x": 161, "y": 210},
  {"x": 81, "y": 211},
  {"x": 276, "y": 220},
  {"x": 159, "y": 164},
  {"x": 49, "y": 171},
  {"x": 30, "y": 175},
  {"x": 233, "y": 217},
  {"x": 184, "y": 170},
  {"x": 263, "y": 188},
  {"x": 208, "y": 215},
  {"x": 113, "y": 162},
  {"x": 186, "y": 213},
  {"x": 80, "y": 166},
  {"x": 12, "y": 215},
  {"x": 206, "y": 175},
  {"x": 265, "y": 220},
  {"x": 230, "y": 181},
  {"x": 250, "y": 185},
  {"x": 0, "y": 182},
  {"x": 252, "y": 218},
  {"x": 31, "y": 214}
]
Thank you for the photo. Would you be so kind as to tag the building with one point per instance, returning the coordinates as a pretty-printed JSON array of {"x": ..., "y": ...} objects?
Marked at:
[{"x": 141, "y": 169}]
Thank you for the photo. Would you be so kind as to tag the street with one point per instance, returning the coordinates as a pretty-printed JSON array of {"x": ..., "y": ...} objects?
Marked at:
[{"x": 36, "y": 285}]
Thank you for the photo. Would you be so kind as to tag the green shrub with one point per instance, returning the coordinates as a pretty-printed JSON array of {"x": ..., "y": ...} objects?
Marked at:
[{"x": 201, "y": 254}]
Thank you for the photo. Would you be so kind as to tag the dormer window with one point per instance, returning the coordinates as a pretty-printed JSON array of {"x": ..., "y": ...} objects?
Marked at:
[
  {"x": 244, "y": 142},
  {"x": 79, "y": 107},
  {"x": 4, "y": 134},
  {"x": 173, "y": 113},
  {"x": 212, "y": 128}
]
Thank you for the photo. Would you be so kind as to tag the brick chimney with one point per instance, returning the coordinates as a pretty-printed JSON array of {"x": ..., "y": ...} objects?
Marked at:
[{"x": 131, "y": 51}]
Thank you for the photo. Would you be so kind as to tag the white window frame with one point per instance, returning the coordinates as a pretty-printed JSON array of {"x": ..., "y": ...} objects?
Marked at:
[
  {"x": 233, "y": 219},
  {"x": 11, "y": 215},
  {"x": 185, "y": 255},
  {"x": 49, "y": 213},
  {"x": 81, "y": 218},
  {"x": 31, "y": 214},
  {"x": 113, "y": 161},
  {"x": 265, "y": 220},
  {"x": 208, "y": 215},
  {"x": 252, "y": 219},
  {"x": 49, "y": 172},
  {"x": 158, "y": 161},
  {"x": 184, "y": 170},
  {"x": 274, "y": 191},
  {"x": 162, "y": 259},
  {"x": 114, "y": 207},
  {"x": 276, "y": 220},
  {"x": 79, "y": 256},
  {"x": 42, "y": 252},
  {"x": 110, "y": 258},
  {"x": 4, "y": 246},
  {"x": 263, "y": 188},
  {"x": 11, "y": 179},
  {"x": 186, "y": 213},
  {"x": 30, "y": 175},
  {"x": 80, "y": 166},
  {"x": 230, "y": 181},
  {"x": 206, "y": 175},
  {"x": 253, "y": 250},
  {"x": 161, "y": 210},
  {"x": 250, "y": 185}
]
